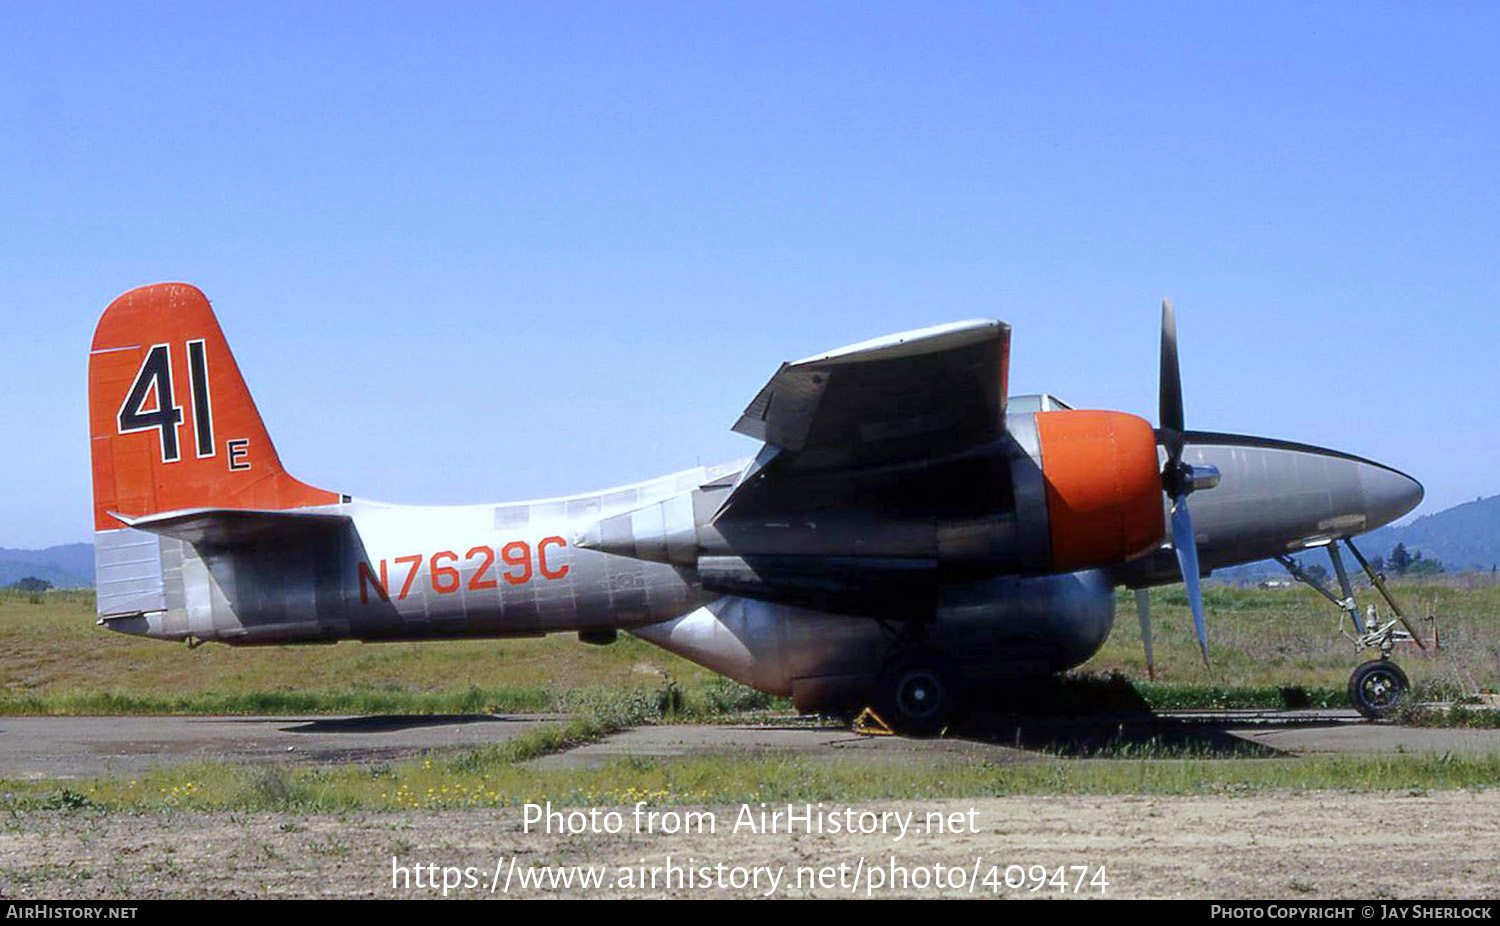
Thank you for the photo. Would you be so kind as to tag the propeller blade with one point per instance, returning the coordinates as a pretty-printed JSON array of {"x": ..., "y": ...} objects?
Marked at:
[
  {"x": 1143, "y": 611},
  {"x": 1187, "y": 560},
  {"x": 1169, "y": 411},
  {"x": 1178, "y": 480}
]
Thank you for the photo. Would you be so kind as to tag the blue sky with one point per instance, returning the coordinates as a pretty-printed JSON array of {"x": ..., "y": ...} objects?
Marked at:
[{"x": 490, "y": 251}]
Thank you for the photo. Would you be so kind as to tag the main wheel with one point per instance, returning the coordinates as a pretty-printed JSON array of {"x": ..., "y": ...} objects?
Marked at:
[
  {"x": 1377, "y": 687},
  {"x": 916, "y": 694}
]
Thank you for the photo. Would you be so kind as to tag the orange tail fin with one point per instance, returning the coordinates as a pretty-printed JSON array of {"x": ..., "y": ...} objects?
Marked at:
[{"x": 171, "y": 422}]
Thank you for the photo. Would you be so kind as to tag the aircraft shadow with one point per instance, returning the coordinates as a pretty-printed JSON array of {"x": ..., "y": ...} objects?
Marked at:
[
  {"x": 1137, "y": 737},
  {"x": 1086, "y": 719}
]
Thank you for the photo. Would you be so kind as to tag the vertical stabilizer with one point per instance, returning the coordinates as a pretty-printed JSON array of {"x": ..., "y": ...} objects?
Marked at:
[{"x": 172, "y": 426}]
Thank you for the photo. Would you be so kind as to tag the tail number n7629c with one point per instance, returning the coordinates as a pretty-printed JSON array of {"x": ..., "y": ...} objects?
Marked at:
[{"x": 520, "y": 563}]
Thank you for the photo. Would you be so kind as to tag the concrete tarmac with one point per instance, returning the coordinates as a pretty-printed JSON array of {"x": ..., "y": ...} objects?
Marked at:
[{"x": 74, "y": 747}]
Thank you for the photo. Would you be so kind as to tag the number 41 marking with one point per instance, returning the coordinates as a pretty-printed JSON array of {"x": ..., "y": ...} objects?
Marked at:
[{"x": 155, "y": 379}]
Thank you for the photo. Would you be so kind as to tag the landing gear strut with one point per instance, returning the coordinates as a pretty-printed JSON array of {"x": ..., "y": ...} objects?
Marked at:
[{"x": 1376, "y": 687}]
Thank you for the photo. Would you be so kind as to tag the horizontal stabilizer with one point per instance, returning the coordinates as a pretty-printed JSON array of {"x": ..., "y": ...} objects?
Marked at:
[{"x": 230, "y": 527}]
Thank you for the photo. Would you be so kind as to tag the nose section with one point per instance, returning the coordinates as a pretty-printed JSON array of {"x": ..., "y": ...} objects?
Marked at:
[
  {"x": 1278, "y": 497},
  {"x": 1388, "y": 493}
]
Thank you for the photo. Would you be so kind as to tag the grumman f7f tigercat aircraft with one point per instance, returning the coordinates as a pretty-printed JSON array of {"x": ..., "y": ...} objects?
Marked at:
[{"x": 905, "y": 533}]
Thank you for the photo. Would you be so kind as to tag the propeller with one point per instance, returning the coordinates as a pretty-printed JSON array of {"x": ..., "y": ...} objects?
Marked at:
[
  {"x": 1178, "y": 481},
  {"x": 1143, "y": 611}
]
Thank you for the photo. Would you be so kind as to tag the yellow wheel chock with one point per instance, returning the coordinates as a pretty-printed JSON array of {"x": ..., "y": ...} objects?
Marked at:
[{"x": 869, "y": 723}]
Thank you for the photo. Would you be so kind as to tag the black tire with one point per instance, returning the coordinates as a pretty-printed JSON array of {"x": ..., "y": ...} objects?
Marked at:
[
  {"x": 1377, "y": 688},
  {"x": 917, "y": 695}
]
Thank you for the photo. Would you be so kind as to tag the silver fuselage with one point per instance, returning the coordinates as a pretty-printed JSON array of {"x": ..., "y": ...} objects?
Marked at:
[{"x": 635, "y": 558}]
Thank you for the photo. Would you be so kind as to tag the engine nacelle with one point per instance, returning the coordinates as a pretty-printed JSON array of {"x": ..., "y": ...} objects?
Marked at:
[
  {"x": 1005, "y": 627},
  {"x": 1104, "y": 501}
]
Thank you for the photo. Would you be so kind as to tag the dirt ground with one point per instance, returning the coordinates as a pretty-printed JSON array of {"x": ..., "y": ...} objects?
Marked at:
[{"x": 1303, "y": 845}]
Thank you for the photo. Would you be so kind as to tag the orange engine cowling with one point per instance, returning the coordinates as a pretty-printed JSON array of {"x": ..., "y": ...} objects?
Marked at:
[{"x": 1104, "y": 498}]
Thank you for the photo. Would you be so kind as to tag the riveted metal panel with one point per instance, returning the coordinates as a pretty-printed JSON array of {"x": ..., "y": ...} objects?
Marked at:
[{"x": 512, "y": 516}]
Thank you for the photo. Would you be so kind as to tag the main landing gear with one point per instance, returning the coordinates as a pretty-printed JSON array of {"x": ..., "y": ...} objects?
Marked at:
[
  {"x": 916, "y": 693},
  {"x": 1377, "y": 687}
]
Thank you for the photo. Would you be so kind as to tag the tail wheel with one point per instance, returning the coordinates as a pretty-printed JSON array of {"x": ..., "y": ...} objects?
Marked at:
[
  {"x": 917, "y": 694},
  {"x": 1377, "y": 688}
]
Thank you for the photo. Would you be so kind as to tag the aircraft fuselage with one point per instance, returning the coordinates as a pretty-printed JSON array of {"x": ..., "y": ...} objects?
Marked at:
[{"x": 630, "y": 559}]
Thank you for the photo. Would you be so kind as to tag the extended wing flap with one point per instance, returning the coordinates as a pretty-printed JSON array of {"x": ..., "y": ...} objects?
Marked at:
[
  {"x": 231, "y": 527},
  {"x": 895, "y": 396}
]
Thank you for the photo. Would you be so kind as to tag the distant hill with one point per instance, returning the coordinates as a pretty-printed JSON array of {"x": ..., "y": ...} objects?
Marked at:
[
  {"x": 68, "y": 566},
  {"x": 1463, "y": 537}
]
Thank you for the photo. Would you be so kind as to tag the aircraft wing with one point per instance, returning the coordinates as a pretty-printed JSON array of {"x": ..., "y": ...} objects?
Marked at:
[
  {"x": 230, "y": 527},
  {"x": 891, "y": 398}
]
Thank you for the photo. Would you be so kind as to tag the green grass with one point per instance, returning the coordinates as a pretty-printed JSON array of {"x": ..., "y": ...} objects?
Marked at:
[
  {"x": 55, "y": 660},
  {"x": 354, "y": 700},
  {"x": 1268, "y": 639},
  {"x": 1271, "y": 648},
  {"x": 1457, "y": 715},
  {"x": 715, "y": 698},
  {"x": 495, "y": 780}
]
